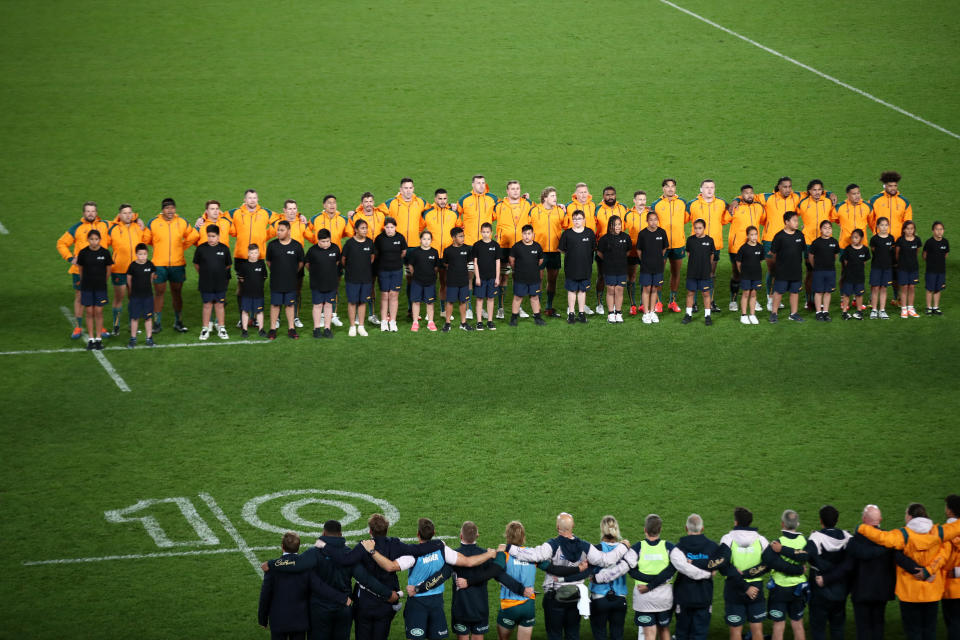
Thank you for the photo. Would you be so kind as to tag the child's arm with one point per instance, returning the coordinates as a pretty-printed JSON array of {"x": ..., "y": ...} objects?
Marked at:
[
  {"x": 496, "y": 277},
  {"x": 129, "y": 282},
  {"x": 476, "y": 272}
]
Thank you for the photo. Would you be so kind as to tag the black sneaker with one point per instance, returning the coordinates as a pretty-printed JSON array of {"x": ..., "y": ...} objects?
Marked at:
[
  {"x": 479, "y": 326},
  {"x": 466, "y": 326},
  {"x": 116, "y": 329},
  {"x": 179, "y": 328},
  {"x": 317, "y": 332},
  {"x": 98, "y": 345},
  {"x": 90, "y": 345},
  {"x": 150, "y": 342},
  {"x": 696, "y": 307},
  {"x": 157, "y": 327},
  {"x": 582, "y": 318},
  {"x": 513, "y": 319},
  {"x": 263, "y": 334},
  {"x": 774, "y": 318},
  {"x": 929, "y": 311},
  {"x": 937, "y": 312},
  {"x": 826, "y": 317},
  {"x": 272, "y": 335},
  {"x": 818, "y": 316},
  {"x": 538, "y": 320},
  {"x": 856, "y": 315},
  {"x": 552, "y": 313},
  {"x": 292, "y": 334},
  {"x": 687, "y": 319},
  {"x": 327, "y": 333},
  {"x": 714, "y": 308},
  {"x": 132, "y": 343},
  {"x": 846, "y": 316},
  {"x": 240, "y": 324},
  {"x": 491, "y": 326},
  {"x": 796, "y": 317},
  {"x": 571, "y": 319},
  {"x": 708, "y": 320},
  {"x": 446, "y": 327}
]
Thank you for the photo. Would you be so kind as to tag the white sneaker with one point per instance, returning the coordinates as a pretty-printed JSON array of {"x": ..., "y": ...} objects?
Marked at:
[
  {"x": 393, "y": 326},
  {"x": 373, "y": 319},
  {"x": 589, "y": 311},
  {"x": 654, "y": 318},
  {"x": 276, "y": 325},
  {"x": 781, "y": 305},
  {"x": 384, "y": 325},
  {"x": 469, "y": 314},
  {"x": 239, "y": 324},
  {"x": 222, "y": 333},
  {"x": 733, "y": 305},
  {"x": 757, "y": 306},
  {"x": 320, "y": 326},
  {"x": 500, "y": 313},
  {"x": 874, "y": 314},
  {"x": 353, "y": 331},
  {"x": 204, "y": 333},
  {"x": 612, "y": 318},
  {"x": 770, "y": 305},
  {"x": 599, "y": 308},
  {"x": 882, "y": 314},
  {"x": 335, "y": 321},
  {"x": 619, "y": 317},
  {"x": 753, "y": 320},
  {"x": 524, "y": 314},
  {"x": 297, "y": 323},
  {"x": 744, "y": 320},
  {"x": 361, "y": 331},
  {"x": 646, "y": 318},
  {"x": 483, "y": 314}
]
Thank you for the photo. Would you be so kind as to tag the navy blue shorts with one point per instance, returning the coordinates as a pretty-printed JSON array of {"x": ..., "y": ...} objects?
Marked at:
[
  {"x": 216, "y": 297},
  {"x": 93, "y": 298},
  {"x": 252, "y": 306},
  {"x": 851, "y": 288},
  {"x": 422, "y": 293},
  {"x": 751, "y": 285},
  {"x": 782, "y": 603},
  {"x": 323, "y": 297},
  {"x": 783, "y": 286},
  {"x": 423, "y": 617},
  {"x": 824, "y": 281},
  {"x": 140, "y": 308},
  {"x": 476, "y": 628},
  {"x": 659, "y": 618},
  {"x": 576, "y": 285},
  {"x": 458, "y": 294},
  {"x": 390, "y": 280},
  {"x": 283, "y": 298},
  {"x": 881, "y": 277},
  {"x": 907, "y": 277},
  {"x": 486, "y": 289},
  {"x": 359, "y": 292},
  {"x": 650, "y": 279},
  {"x": 936, "y": 281},
  {"x": 693, "y": 284},
  {"x": 738, "y": 613},
  {"x": 615, "y": 281},
  {"x": 521, "y": 289}
]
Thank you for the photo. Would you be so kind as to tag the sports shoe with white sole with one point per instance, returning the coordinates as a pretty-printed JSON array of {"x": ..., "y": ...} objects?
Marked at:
[
  {"x": 335, "y": 321},
  {"x": 770, "y": 304},
  {"x": 599, "y": 309},
  {"x": 222, "y": 333},
  {"x": 754, "y": 320},
  {"x": 744, "y": 320},
  {"x": 500, "y": 313},
  {"x": 361, "y": 331},
  {"x": 469, "y": 314},
  {"x": 655, "y": 319},
  {"x": 524, "y": 314},
  {"x": 384, "y": 325},
  {"x": 646, "y": 319},
  {"x": 204, "y": 333},
  {"x": 589, "y": 311},
  {"x": 352, "y": 332},
  {"x": 373, "y": 319},
  {"x": 393, "y": 326},
  {"x": 297, "y": 323},
  {"x": 757, "y": 306},
  {"x": 733, "y": 305},
  {"x": 612, "y": 318}
]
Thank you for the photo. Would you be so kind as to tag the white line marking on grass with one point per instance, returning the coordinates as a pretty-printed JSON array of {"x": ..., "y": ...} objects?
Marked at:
[
  {"x": 152, "y": 526},
  {"x": 812, "y": 70},
  {"x": 169, "y": 554},
  {"x": 3, "y": 229},
  {"x": 102, "y": 359},
  {"x": 232, "y": 530},
  {"x": 25, "y": 352}
]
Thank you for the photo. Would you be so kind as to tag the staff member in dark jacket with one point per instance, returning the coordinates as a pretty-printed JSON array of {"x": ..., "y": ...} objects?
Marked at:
[
  {"x": 827, "y": 549},
  {"x": 693, "y": 588},
  {"x": 283, "y": 597}
]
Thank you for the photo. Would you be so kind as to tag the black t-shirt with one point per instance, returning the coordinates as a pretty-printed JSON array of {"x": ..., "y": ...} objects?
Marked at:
[
  {"x": 699, "y": 257},
  {"x": 824, "y": 251},
  {"x": 141, "y": 282},
  {"x": 425, "y": 263},
  {"x": 324, "y": 266},
  {"x": 882, "y": 249},
  {"x": 285, "y": 265},
  {"x": 487, "y": 254},
  {"x": 578, "y": 253},
  {"x": 356, "y": 255},
  {"x": 907, "y": 257},
  {"x": 94, "y": 264},
  {"x": 526, "y": 262},
  {"x": 651, "y": 245},
  {"x": 788, "y": 248},
  {"x": 214, "y": 262},
  {"x": 615, "y": 249},
  {"x": 455, "y": 260},
  {"x": 936, "y": 251},
  {"x": 751, "y": 261},
  {"x": 389, "y": 250},
  {"x": 254, "y": 276},
  {"x": 853, "y": 261}
]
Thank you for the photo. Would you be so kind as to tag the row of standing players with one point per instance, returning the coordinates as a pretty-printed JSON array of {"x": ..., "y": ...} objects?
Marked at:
[
  {"x": 548, "y": 219},
  {"x": 918, "y": 563}
]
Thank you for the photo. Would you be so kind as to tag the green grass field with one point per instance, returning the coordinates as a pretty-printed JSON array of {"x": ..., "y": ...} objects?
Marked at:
[{"x": 136, "y": 102}]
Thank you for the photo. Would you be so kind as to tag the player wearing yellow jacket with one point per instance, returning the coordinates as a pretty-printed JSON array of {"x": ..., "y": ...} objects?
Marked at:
[
  {"x": 608, "y": 207},
  {"x": 170, "y": 235},
  {"x": 334, "y": 222},
  {"x": 671, "y": 210},
  {"x": 890, "y": 204},
  {"x": 476, "y": 208},
  {"x": 439, "y": 219},
  {"x": 582, "y": 200},
  {"x": 125, "y": 235},
  {"x": 712, "y": 210},
  {"x": 546, "y": 219},
  {"x": 373, "y": 216},
  {"x": 745, "y": 212},
  {"x": 814, "y": 208},
  {"x": 407, "y": 209},
  {"x": 511, "y": 214},
  {"x": 76, "y": 237},
  {"x": 852, "y": 213},
  {"x": 250, "y": 224}
]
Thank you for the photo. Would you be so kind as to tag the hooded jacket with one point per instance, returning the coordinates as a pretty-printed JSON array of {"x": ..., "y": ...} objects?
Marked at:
[
  {"x": 922, "y": 542},
  {"x": 827, "y": 549}
]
